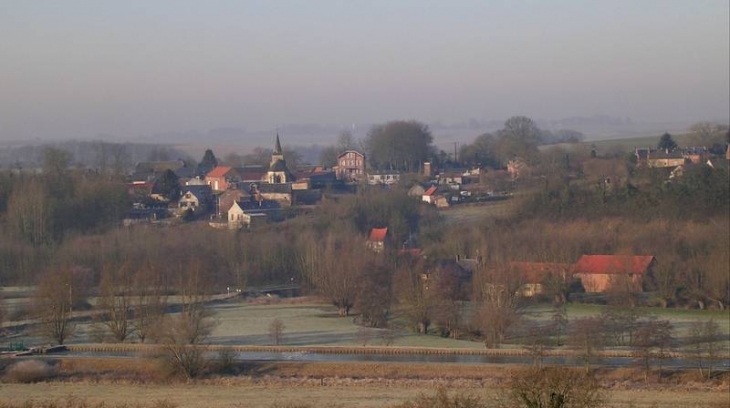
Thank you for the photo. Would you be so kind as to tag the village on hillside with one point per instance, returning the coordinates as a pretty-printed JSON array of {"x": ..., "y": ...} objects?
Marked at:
[{"x": 251, "y": 197}]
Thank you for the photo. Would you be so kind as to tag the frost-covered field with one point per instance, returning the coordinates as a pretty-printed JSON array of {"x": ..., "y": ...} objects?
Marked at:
[{"x": 310, "y": 324}]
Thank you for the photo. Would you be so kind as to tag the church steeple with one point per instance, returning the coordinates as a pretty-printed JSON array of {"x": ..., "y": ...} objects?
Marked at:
[
  {"x": 278, "y": 172},
  {"x": 277, "y": 146}
]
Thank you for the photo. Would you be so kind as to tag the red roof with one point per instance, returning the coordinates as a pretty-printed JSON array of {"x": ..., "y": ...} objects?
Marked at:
[
  {"x": 378, "y": 234},
  {"x": 430, "y": 191},
  {"x": 536, "y": 272},
  {"x": 219, "y": 171},
  {"x": 613, "y": 264}
]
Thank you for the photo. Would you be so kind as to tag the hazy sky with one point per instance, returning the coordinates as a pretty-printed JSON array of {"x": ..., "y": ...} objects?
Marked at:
[{"x": 84, "y": 67}]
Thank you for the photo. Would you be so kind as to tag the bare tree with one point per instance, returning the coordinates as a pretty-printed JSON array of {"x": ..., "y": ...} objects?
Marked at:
[
  {"x": 519, "y": 137},
  {"x": 111, "y": 158},
  {"x": 559, "y": 323},
  {"x": 703, "y": 339},
  {"x": 116, "y": 300},
  {"x": 417, "y": 295},
  {"x": 29, "y": 211},
  {"x": 450, "y": 297},
  {"x": 620, "y": 324},
  {"x": 185, "y": 333},
  {"x": 150, "y": 302},
  {"x": 653, "y": 340},
  {"x": 374, "y": 297},
  {"x": 58, "y": 291},
  {"x": 328, "y": 156},
  {"x": 585, "y": 335},
  {"x": 185, "y": 357},
  {"x": 500, "y": 308},
  {"x": 663, "y": 278},
  {"x": 276, "y": 330},
  {"x": 539, "y": 342},
  {"x": 346, "y": 141},
  {"x": 333, "y": 265}
]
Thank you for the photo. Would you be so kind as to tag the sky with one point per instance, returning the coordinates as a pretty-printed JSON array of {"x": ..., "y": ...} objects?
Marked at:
[{"x": 128, "y": 68}]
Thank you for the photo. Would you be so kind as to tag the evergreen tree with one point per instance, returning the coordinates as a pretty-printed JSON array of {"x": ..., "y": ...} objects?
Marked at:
[
  {"x": 208, "y": 163},
  {"x": 666, "y": 142},
  {"x": 169, "y": 185}
]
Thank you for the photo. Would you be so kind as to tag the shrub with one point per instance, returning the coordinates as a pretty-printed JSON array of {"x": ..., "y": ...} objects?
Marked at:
[
  {"x": 442, "y": 399},
  {"x": 555, "y": 387},
  {"x": 29, "y": 371},
  {"x": 226, "y": 361}
]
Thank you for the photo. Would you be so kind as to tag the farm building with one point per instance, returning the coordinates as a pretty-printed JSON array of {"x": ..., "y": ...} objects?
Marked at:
[{"x": 602, "y": 273}]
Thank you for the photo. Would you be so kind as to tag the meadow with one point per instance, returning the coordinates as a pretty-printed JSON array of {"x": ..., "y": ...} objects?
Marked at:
[
  {"x": 312, "y": 322},
  {"x": 240, "y": 394}
]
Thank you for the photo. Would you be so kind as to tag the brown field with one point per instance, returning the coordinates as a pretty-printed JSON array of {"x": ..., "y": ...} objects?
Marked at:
[
  {"x": 235, "y": 394},
  {"x": 127, "y": 381}
]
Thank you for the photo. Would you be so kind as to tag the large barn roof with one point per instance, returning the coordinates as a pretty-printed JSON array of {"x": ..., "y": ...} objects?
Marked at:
[{"x": 613, "y": 264}]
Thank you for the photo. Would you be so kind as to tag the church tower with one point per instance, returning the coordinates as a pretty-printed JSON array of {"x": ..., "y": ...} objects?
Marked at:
[
  {"x": 278, "y": 153},
  {"x": 278, "y": 171}
]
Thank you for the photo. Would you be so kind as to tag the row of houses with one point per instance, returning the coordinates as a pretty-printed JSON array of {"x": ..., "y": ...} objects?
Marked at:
[{"x": 661, "y": 158}]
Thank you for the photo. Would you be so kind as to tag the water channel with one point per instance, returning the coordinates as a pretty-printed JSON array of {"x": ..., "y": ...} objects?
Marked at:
[{"x": 674, "y": 363}]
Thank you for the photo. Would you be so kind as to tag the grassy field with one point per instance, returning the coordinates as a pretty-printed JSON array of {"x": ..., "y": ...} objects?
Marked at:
[
  {"x": 624, "y": 145},
  {"x": 628, "y": 145},
  {"x": 310, "y": 322},
  {"x": 316, "y": 324},
  {"x": 680, "y": 318},
  {"x": 463, "y": 214}
]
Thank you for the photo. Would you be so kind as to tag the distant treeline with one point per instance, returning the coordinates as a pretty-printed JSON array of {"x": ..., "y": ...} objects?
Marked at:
[
  {"x": 88, "y": 154},
  {"x": 699, "y": 194}
]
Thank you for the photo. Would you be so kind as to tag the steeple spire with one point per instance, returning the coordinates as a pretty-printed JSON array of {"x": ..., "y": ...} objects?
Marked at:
[{"x": 277, "y": 147}]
